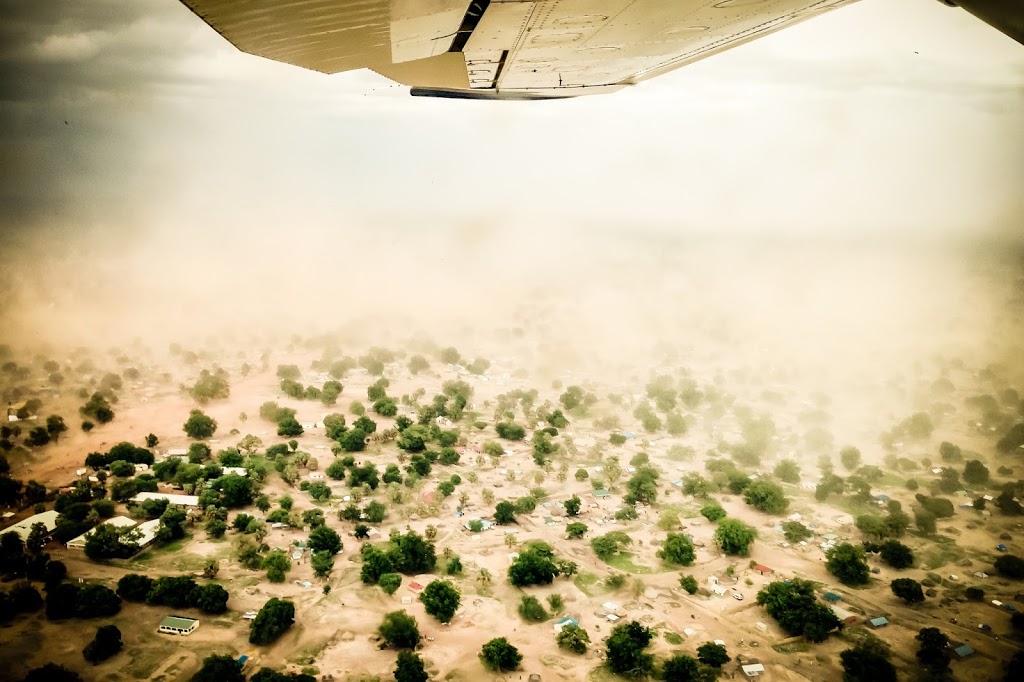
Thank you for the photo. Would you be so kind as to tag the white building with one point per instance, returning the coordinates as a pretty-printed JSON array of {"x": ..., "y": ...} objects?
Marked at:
[
  {"x": 117, "y": 521},
  {"x": 177, "y": 452},
  {"x": 237, "y": 471},
  {"x": 147, "y": 532},
  {"x": 24, "y": 528},
  {"x": 183, "y": 500}
]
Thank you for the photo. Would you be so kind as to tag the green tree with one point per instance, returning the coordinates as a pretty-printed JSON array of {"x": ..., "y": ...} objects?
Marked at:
[
  {"x": 866, "y": 664},
  {"x": 276, "y": 563},
  {"x": 219, "y": 668},
  {"x": 681, "y": 668},
  {"x": 734, "y": 537},
  {"x": 51, "y": 672},
  {"x": 533, "y": 566},
  {"x": 766, "y": 496},
  {"x": 276, "y": 616},
  {"x": 500, "y": 656},
  {"x": 389, "y": 582},
  {"x": 324, "y": 539},
  {"x": 105, "y": 644},
  {"x": 399, "y": 630},
  {"x": 441, "y": 600},
  {"x": 1010, "y": 566},
  {"x": 713, "y": 654},
  {"x": 510, "y": 430},
  {"x": 846, "y": 562},
  {"x": 713, "y": 512},
  {"x": 925, "y": 521},
  {"x": 572, "y": 505},
  {"x": 850, "y": 457},
  {"x": 199, "y": 426},
  {"x": 409, "y": 668},
  {"x": 55, "y": 426},
  {"x": 322, "y": 562},
  {"x": 504, "y": 513},
  {"x": 576, "y": 530},
  {"x": 896, "y": 554},
  {"x": 795, "y": 531},
  {"x": 793, "y": 604},
  {"x": 933, "y": 652},
  {"x": 908, "y": 590},
  {"x": 642, "y": 487},
  {"x": 625, "y": 653},
  {"x": 573, "y": 638},
  {"x": 689, "y": 583},
  {"x": 787, "y": 471},
  {"x": 678, "y": 549},
  {"x": 976, "y": 473}
]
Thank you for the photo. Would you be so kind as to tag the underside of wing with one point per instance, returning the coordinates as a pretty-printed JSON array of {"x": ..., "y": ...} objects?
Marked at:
[{"x": 500, "y": 49}]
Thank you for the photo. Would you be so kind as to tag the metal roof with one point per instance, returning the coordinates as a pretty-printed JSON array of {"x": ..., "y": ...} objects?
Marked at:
[{"x": 177, "y": 622}]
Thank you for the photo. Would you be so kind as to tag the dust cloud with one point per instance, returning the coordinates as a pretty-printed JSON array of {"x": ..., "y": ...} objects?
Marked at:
[{"x": 624, "y": 301}]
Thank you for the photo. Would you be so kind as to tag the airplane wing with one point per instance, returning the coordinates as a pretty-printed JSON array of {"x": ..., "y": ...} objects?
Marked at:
[{"x": 514, "y": 49}]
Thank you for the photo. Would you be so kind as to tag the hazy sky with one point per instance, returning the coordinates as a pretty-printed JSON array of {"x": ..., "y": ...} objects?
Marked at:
[{"x": 888, "y": 115}]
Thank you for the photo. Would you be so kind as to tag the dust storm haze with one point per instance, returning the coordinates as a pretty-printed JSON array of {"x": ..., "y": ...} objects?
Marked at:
[{"x": 162, "y": 186}]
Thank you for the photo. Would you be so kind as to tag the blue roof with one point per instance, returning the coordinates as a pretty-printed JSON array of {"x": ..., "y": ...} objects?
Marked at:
[
  {"x": 565, "y": 620},
  {"x": 242, "y": 660},
  {"x": 879, "y": 622},
  {"x": 832, "y": 596},
  {"x": 963, "y": 651}
]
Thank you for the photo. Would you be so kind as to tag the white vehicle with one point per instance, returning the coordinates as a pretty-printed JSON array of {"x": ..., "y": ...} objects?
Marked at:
[{"x": 738, "y": 596}]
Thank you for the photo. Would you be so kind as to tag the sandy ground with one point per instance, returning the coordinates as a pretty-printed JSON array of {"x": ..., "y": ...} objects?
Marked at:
[{"x": 335, "y": 633}]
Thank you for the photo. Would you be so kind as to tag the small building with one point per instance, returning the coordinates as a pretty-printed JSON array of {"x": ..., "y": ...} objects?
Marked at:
[
  {"x": 763, "y": 570},
  {"x": 879, "y": 622},
  {"x": 842, "y": 614},
  {"x": 241, "y": 661},
  {"x": 963, "y": 651},
  {"x": 832, "y": 597},
  {"x": 183, "y": 500},
  {"x": 176, "y": 452},
  {"x": 24, "y": 527},
  {"x": 601, "y": 492},
  {"x": 238, "y": 471},
  {"x": 562, "y": 622},
  {"x": 178, "y": 625},
  {"x": 752, "y": 670},
  {"x": 415, "y": 587}
]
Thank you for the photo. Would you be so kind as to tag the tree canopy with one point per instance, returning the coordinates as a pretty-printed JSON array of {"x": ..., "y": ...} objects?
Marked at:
[{"x": 792, "y": 603}]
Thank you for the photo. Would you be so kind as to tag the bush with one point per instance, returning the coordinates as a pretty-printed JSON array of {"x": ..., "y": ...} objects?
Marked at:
[
  {"x": 713, "y": 512},
  {"x": 389, "y": 582},
  {"x": 573, "y": 638},
  {"x": 689, "y": 583},
  {"x": 532, "y": 610}
]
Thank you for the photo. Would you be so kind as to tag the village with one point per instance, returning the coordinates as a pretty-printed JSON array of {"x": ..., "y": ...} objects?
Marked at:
[{"x": 584, "y": 479}]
